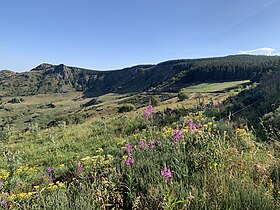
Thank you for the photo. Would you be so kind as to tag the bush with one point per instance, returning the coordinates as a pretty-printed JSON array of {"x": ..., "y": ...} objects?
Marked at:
[
  {"x": 126, "y": 108},
  {"x": 15, "y": 100},
  {"x": 182, "y": 96},
  {"x": 154, "y": 101}
]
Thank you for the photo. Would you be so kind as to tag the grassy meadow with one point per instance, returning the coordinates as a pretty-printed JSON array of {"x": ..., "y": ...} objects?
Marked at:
[
  {"x": 148, "y": 158},
  {"x": 215, "y": 87}
]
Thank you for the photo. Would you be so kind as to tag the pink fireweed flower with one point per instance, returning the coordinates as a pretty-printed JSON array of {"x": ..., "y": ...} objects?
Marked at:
[
  {"x": 49, "y": 170},
  {"x": 192, "y": 126},
  {"x": 148, "y": 111},
  {"x": 128, "y": 148},
  {"x": 80, "y": 167},
  {"x": 149, "y": 108},
  {"x": 189, "y": 121},
  {"x": 151, "y": 144},
  {"x": 178, "y": 134},
  {"x": 141, "y": 144},
  {"x": 166, "y": 173},
  {"x": 199, "y": 126},
  {"x": 129, "y": 161}
]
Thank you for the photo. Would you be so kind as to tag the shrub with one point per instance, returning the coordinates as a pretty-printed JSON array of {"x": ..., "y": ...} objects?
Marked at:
[
  {"x": 154, "y": 101},
  {"x": 16, "y": 100},
  {"x": 182, "y": 96},
  {"x": 126, "y": 108}
]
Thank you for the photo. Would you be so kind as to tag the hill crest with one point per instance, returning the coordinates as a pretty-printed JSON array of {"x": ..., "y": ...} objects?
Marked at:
[{"x": 170, "y": 75}]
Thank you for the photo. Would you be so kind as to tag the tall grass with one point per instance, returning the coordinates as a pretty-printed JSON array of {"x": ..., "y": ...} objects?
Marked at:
[{"x": 134, "y": 163}]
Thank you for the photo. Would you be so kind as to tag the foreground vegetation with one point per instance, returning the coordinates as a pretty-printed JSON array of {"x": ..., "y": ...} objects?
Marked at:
[
  {"x": 143, "y": 162},
  {"x": 183, "y": 153}
]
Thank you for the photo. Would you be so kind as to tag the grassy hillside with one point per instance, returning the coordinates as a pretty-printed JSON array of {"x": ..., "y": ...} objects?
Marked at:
[
  {"x": 45, "y": 110},
  {"x": 215, "y": 87},
  {"x": 135, "y": 162}
]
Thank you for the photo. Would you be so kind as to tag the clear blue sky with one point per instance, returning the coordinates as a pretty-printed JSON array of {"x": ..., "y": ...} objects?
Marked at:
[{"x": 111, "y": 34}]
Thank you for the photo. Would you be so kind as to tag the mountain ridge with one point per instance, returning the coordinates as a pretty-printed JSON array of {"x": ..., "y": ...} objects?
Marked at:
[{"x": 169, "y": 75}]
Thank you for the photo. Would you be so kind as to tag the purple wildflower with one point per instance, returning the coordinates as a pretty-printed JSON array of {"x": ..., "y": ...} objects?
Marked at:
[
  {"x": 4, "y": 204},
  {"x": 141, "y": 144},
  {"x": 1, "y": 184},
  {"x": 129, "y": 148},
  {"x": 148, "y": 111},
  {"x": 189, "y": 121},
  {"x": 178, "y": 134},
  {"x": 151, "y": 144},
  {"x": 80, "y": 167},
  {"x": 49, "y": 170},
  {"x": 129, "y": 161},
  {"x": 192, "y": 126},
  {"x": 49, "y": 173},
  {"x": 166, "y": 173},
  {"x": 199, "y": 126}
]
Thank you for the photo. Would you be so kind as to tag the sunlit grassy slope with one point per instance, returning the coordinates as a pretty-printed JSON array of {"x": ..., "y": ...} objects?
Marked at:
[
  {"x": 130, "y": 161},
  {"x": 36, "y": 109},
  {"x": 214, "y": 87},
  {"x": 179, "y": 159}
]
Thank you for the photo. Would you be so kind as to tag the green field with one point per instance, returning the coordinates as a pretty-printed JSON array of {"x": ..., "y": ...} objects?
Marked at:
[{"x": 214, "y": 87}]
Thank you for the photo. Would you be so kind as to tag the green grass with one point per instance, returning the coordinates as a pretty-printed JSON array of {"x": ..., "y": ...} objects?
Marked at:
[
  {"x": 214, "y": 87},
  {"x": 33, "y": 109},
  {"x": 111, "y": 97},
  {"x": 210, "y": 169}
]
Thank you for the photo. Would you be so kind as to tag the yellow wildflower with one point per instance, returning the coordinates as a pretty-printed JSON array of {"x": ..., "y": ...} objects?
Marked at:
[
  {"x": 121, "y": 143},
  {"x": 100, "y": 150},
  {"x": 12, "y": 196},
  {"x": 60, "y": 184},
  {"x": 125, "y": 157},
  {"x": 21, "y": 195},
  {"x": 86, "y": 158},
  {"x": 4, "y": 174},
  {"x": 29, "y": 194},
  {"x": 110, "y": 157}
]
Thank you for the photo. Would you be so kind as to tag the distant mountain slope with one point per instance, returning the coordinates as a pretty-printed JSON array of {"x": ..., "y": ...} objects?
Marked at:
[{"x": 166, "y": 76}]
